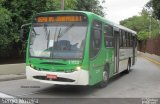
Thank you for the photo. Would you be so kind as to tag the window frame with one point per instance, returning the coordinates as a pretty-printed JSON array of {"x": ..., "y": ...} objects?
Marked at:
[
  {"x": 91, "y": 56},
  {"x": 106, "y": 36}
]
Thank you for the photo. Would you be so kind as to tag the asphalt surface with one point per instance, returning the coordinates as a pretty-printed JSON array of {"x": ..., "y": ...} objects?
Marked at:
[
  {"x": 142, "y": 82},
  {"x": 7, "y": 69}
]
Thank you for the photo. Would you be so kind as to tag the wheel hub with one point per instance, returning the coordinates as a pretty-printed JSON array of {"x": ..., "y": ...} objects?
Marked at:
[{"x": 105, "y": 76}]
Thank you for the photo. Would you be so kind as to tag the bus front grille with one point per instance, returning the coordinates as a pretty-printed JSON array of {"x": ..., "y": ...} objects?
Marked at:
[{"x": 60, "y": 79}]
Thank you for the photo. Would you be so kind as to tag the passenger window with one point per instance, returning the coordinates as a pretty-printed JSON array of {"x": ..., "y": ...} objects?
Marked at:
[
  {"x": 124, "y": 39},
  {"x": 108, "y": 36},
  {"x": 96, "y": 38},
  {"x": 121, "y": 38},
  {"x": 130, "y": 40}
]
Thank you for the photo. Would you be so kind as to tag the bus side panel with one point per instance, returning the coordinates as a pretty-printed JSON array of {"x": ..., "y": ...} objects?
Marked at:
[
  {"x": 125, "y": 54},
  {"x": 97, "y": 67},
  {"x": 109, "y": 60}
]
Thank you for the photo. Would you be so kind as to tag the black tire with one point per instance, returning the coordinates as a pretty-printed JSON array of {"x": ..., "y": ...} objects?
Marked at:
[
  {"x": 105, "y": 79},
  {"x": 128, "y": 67}
]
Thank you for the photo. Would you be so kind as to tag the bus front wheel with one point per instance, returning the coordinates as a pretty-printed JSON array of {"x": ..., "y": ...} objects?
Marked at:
[{"x": 105, "y": 79}]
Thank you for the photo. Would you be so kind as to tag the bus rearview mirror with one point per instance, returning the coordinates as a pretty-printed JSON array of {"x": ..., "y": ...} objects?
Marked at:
[{"x": 23, "y": 31}]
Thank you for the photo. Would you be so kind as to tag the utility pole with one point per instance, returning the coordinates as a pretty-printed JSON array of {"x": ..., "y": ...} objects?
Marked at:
[
  {"x": 150, "y": 26},
  {"x": 62, "y": 4},
  {"x": 159, "y": 25}
]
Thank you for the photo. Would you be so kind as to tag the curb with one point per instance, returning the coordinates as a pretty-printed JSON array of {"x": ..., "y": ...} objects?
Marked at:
[
  {"x": 149, "y": 58},
  {"x": 8, "y": 78},
  {"x": 152, "y": 60}
]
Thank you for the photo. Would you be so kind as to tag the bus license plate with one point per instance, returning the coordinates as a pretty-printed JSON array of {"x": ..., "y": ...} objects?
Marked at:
[{"x": 51, "y": 76}]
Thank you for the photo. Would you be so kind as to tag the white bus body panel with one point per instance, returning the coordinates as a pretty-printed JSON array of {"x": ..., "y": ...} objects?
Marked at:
[
  {"x": 124, "y": 55},
  {"x": 81, "y": 76}
]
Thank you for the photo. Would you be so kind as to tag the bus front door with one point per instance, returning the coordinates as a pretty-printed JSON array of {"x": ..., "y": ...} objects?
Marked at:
[
  {"x": 97, "y": 57},
  {"x": 116, "y": 47}
]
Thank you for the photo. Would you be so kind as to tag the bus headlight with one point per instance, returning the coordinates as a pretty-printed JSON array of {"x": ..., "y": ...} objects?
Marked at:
[
  {"x": 78, "y": 68},
  {"x": 32, "y": 66}
]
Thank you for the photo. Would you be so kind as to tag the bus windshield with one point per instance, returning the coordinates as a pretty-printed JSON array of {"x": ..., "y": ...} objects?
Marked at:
[{"x": 58, "y": 40}]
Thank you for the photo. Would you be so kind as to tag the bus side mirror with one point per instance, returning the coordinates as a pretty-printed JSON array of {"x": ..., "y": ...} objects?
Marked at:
[{"x": 23, "y": 32}]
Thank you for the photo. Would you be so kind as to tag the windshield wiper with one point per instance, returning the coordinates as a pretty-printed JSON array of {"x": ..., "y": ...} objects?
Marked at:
[
  {"x": 52, "y": 53},
  {"x": 47, "y": 33},
  {"x": 64, "y": 31},
  {"x": 35, "y": 33}
]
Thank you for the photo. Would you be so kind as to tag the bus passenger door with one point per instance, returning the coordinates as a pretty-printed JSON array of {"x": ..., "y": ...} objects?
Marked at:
[
  {"x": 134, "y": 49},
  {"x": 96, "y": 54},
  {"x": 116, "y": 47}
]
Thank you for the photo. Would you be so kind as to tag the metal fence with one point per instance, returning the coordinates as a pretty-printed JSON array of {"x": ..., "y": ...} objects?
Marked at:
[{"x": 151, "y": 46}]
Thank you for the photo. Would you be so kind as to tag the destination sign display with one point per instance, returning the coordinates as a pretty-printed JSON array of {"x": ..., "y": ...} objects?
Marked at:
[{"x": 60, "y": 18}]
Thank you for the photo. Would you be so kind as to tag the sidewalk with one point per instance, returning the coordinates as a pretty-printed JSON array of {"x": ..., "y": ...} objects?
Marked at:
[
  {"x": 152, "y": 57},
  {"x": 11, "y": 77},
  {"x": 12, "y": 71}
]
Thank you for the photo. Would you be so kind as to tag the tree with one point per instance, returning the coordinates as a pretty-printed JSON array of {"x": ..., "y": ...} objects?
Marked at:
[
  {"x": 5, "y": 41},
  {"x": 56, "y": 5},
  {"x": 155, "y": 4},
  {"x": 90, "y": 5},
  {"x": 14, "y": 13},
  {"x": 141, "y": 24},
  {"x": 83, "y": 5}
]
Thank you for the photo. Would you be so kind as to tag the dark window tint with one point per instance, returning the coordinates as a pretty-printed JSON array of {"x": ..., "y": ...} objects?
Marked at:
[
  {"x": 130, "y": 40},
  {"x": 126, "y": 39},
  {"x": 108, "y": 36},
  {"x": 96, "y": 38},
  {"x": 122, "y": 38}
]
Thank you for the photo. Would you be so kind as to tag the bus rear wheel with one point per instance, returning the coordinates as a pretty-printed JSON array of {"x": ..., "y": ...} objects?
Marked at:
[
  {"x": 105, "y": 79},
  {"x": 128, "y": 67}
]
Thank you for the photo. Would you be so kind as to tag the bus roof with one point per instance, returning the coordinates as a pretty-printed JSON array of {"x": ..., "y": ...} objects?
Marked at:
[
  {"x": 114, "y": 24},
  {"x": 92, "y": 14}
]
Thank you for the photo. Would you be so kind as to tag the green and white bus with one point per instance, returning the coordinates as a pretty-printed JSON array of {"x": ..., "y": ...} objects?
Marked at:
[{"x": 77, "y": 48}]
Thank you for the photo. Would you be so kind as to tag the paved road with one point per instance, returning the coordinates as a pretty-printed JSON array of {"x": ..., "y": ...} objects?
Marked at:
[
  {"x": 142, "y": 82},
  {"x": 6, "y": 69}
]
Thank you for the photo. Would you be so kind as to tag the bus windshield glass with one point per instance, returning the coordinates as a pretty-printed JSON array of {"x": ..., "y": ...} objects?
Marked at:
[{"x": 58, "y": 39}]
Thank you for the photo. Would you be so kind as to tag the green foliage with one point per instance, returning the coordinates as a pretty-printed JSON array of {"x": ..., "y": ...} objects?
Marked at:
[
  {"x": 90, "y": 5},
  {"x": 142, "y": 24},
  {"x": 155, "y": 4},
  {"x": 5, "y": 40},
  {"x": 143, "y": 35},
  {"x": 14, "y": 13},
  {"x": 70, "y": 4},
  {"x": 83, "y": 5},
  {"x": 52, "y": 5}
]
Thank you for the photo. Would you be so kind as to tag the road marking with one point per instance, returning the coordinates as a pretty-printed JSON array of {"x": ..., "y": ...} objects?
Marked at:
[
  {"x": 152, "y": 60},
  {"x": 13, "y": 100},
  {"x": 2, "y": 95}
]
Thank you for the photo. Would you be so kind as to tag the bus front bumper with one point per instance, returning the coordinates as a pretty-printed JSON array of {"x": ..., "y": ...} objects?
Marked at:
[{"x": 80, "y": 77}]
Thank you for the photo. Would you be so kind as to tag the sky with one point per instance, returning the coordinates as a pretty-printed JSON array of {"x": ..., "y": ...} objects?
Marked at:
[{"x": 117, "y": 10}]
